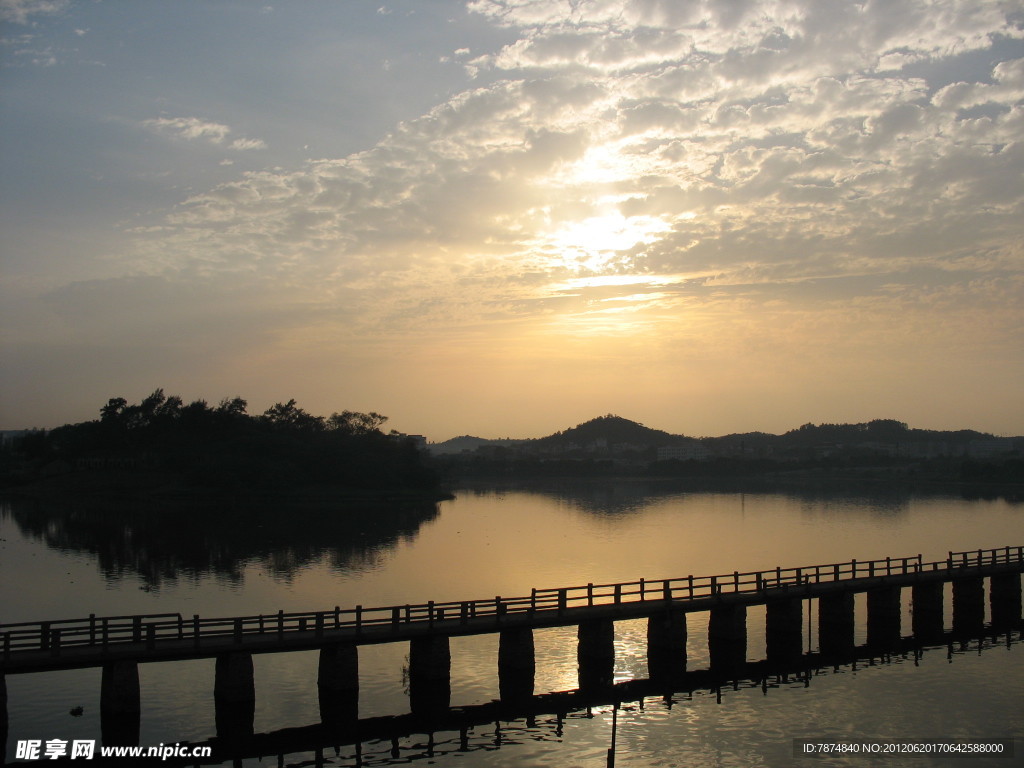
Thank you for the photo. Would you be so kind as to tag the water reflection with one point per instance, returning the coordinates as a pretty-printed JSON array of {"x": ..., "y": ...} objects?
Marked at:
[
  {"x": 163, "y": 545},
  {"x": 625, "y": 497}
]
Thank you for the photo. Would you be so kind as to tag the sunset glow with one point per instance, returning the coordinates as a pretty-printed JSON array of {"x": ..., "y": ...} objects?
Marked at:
[{"x": 508, "y": 216}]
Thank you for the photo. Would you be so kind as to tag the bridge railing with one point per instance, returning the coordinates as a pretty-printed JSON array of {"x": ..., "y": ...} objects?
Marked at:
[{"x": 59, "y": 636}]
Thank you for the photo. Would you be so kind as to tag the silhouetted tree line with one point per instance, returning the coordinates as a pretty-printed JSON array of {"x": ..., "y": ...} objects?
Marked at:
[{"x": 223, "y": 446}]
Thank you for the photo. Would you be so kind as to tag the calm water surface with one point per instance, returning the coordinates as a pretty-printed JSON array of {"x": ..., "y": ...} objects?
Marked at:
[{"x": 59, "y": 562}]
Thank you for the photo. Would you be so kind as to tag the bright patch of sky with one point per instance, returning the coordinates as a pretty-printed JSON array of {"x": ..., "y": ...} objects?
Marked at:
[{"x": 508, "y": 216}]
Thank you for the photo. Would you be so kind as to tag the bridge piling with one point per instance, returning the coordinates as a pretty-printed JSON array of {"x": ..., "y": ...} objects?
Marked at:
[
  {"x": 727, "y": 637},
  {"x": 234, "y": 679},
  {"x": 120, "y": 703},
  {"x": 1005, "y": 600},
  {"x": 927, "y": 614},
  {"x": 3, "y": 713},
  {"x": 595, "y": 653},
  {"x": 836, "y": 624},
  {"x": 968, "y": 604},
  {"x": 884, "y": 611},
  {"x": 430, "y": 667},
  {"x": 516, "y": 664},
  {"x": 784, "y": 619},
  {"x": 666, "y": 645},
  {"x": 338, "y": 682}
]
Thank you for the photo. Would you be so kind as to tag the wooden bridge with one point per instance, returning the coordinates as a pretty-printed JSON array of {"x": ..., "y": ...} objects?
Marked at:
[{"x": 119, "y": 643}]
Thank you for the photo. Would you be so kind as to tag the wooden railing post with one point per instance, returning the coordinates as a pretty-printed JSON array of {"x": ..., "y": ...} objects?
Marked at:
[
  {"x": 195, "y": 629},
  {"x": 280, "y": 625},
  {"x": 92, "y": 629},
  {"x": 430, "y": 614},
  {"x": 44, "y": 636},
  {"x": 55, "y": 643},
  {"x": 396, "y": 617},
  {"x": 590, "y": 594},
  {"x": 533, "y": 600},
  {"x": 642, "y": 591},
  {"x": 618, "y": 594},
  {"x": 666, "y": 589},
  {"x": 238, "y": 631},
  {"x": 150, "y": 636},
  {"x": 359, "y": 620}
]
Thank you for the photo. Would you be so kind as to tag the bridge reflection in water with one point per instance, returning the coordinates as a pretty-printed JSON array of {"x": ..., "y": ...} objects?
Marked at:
[{"x": 118, "y": 644}]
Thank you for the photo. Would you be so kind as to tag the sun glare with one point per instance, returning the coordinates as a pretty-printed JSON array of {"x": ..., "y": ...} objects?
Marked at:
[{"x": 592, "y": 243}]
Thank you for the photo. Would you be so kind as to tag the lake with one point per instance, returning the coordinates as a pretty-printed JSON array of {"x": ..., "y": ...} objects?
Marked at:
[{"x": 66, "y": 561}]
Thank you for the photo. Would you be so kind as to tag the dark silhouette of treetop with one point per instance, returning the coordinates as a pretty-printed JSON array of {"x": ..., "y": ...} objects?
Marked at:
[{"x": 225, "y": 447}]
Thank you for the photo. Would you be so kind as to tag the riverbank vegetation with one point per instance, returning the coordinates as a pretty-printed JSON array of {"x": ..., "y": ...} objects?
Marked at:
[{"x": 164, "y": 445}]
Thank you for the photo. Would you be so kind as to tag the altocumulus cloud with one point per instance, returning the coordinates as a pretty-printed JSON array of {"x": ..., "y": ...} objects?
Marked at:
[
  {"x": 747, "y": 142},
  {"x": 194, "y": 128},
  {"x": 728, "y": 177}
]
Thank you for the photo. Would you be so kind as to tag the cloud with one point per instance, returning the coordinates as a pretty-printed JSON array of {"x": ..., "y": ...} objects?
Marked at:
[
  {"x": 190, "y": 128},
  {"x": 20, "y": 11},
  {"x": 198, "y": 129},
  {"x": 245, "y": 144},
  {"x": 714, "y": 178}
]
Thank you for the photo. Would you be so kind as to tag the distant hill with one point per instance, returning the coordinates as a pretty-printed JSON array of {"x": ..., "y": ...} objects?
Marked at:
[
  {"x": 629, "y": 443},
  {"x": 608, "y": 430}
]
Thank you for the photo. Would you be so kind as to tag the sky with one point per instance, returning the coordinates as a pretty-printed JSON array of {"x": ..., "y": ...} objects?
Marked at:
[{"x": 506, "y": 217}]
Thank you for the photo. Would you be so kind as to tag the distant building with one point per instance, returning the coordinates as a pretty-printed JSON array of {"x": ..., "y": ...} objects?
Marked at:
[
  {"x": 990, "y": 448},
  {"x": 687, "y": 452},
  {"x": 418, "y": 440}
]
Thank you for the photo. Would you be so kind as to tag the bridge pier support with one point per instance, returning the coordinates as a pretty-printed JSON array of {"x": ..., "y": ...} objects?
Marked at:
[
  {"x": 968, "y": 604},
  {"x": 666, "y": 645},
  {"x": 595, "y": 653},
  {"x": 234, "y": 679},
  {"x": 1005, "y": 600},
  {"x": 927, "y": 619},
  {"x": 836, "y": 624},
  {"x": 120, "y": 703},
  {"x": 727, "y": 638},
  {"x": 784, "y": 618},
  {"x": 516, "y": 664},
  {"x": 3, "y": 714},
  {"x": 337, "y": 683},
  {"x": 884, "y": 618},
  {"x": 430, "y": 670},
  {"x": 234, "y": 696}
]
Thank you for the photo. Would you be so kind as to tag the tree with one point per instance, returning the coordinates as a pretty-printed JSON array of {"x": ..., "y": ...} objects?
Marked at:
[
  {"x": 355, "y": 423},
  {"x": 290, "y": 416}
]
